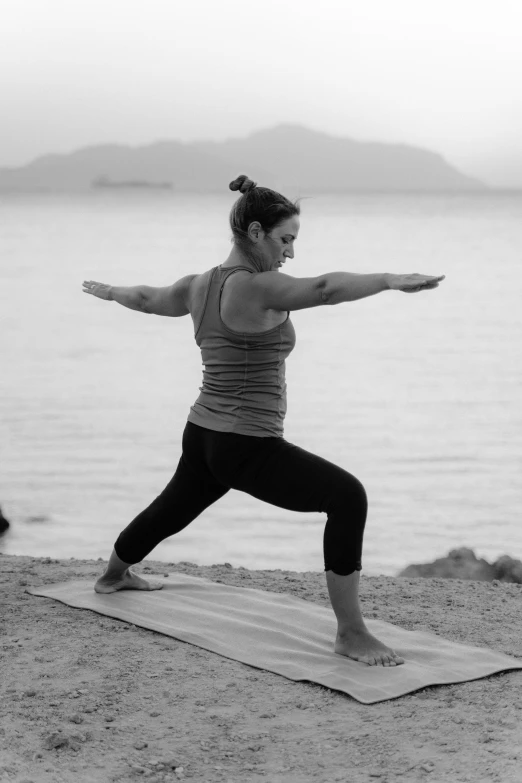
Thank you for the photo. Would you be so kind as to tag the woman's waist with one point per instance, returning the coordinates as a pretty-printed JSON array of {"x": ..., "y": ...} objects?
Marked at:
[{"x": 241, "y": 392}]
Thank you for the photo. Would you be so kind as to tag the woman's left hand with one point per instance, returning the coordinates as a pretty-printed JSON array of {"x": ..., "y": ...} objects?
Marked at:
[{"x": 101, "y": 290}]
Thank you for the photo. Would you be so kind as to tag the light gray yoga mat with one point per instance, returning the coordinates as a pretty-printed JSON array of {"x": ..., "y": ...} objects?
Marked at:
[{"x": 284, "y": 635}]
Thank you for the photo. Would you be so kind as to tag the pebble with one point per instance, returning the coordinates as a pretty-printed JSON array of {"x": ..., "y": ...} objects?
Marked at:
[
  {"x": 171, "y": 762},
  {"x": 140, "y": 745},
  {"x": 76, "y": 718},
  {"x": 154, "y": 714}
]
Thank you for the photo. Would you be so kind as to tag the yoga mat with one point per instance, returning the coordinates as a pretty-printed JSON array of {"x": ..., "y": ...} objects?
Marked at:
[{"x": 284, "y": 635}]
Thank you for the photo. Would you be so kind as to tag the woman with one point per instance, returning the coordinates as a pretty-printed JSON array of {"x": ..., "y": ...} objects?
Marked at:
[{"x": 234, "y": 434}]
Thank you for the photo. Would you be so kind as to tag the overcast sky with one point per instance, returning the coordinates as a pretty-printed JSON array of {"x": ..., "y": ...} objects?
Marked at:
[{"x": 440, "y": 74}]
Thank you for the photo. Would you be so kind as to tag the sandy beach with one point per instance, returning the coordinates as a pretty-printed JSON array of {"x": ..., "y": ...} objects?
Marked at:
[{"x": 86, "y": 698}]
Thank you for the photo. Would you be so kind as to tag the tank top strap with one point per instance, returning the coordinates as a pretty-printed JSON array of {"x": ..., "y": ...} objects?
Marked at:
[
  {"x": 210, "y": 277},
  {"x": 228, "y": 271}
]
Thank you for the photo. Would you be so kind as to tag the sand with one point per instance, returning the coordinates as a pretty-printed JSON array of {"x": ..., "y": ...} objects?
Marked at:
[{"x": 86, "y": 698}]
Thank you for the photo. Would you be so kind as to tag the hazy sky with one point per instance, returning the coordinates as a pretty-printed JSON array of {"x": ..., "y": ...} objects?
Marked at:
[{"x": 441, "y": 74}]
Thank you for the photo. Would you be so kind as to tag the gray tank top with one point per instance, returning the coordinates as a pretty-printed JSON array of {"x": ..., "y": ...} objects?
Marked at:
[{"x": 244, "y": 386}]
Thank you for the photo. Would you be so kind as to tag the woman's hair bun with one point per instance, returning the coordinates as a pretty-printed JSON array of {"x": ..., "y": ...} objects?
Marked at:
[{"x": 243, "y": 184}]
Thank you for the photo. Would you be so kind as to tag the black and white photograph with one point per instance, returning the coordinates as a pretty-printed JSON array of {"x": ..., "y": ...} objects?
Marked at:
[{"x": 260, "y": 391}]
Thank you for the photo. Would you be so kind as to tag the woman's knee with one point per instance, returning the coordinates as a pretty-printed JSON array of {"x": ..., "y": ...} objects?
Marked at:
[{"x": 350, "y": 493}]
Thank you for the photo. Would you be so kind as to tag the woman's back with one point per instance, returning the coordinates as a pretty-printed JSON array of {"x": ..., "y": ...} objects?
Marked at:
[
  {"x": 243, "y": 355},
  {"x": 241, "y": 309}
]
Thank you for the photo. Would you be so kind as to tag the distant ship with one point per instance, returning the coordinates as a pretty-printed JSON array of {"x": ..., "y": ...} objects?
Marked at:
[{"x": 105, "y": 182}]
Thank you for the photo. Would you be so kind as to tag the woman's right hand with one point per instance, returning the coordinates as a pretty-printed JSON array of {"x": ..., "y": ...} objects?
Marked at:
[
  {"x": 101, "y": 290},
  {"x": 410, "y": 284}
]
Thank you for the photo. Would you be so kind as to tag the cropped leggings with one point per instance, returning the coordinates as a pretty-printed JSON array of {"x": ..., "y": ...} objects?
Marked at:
[{"x": 271, "y": 469}]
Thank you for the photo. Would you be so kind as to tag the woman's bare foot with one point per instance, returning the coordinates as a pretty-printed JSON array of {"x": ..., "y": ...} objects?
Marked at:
[
  {"x": 127, "y": 581},
  {"x": 362, "y": 646}
]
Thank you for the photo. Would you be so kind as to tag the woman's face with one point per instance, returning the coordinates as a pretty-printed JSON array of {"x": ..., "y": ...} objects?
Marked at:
[{"x": 278, "y": 245}]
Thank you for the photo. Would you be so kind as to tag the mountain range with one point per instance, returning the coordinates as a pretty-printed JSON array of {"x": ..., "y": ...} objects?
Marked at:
[{"x": 286, "y": 156}]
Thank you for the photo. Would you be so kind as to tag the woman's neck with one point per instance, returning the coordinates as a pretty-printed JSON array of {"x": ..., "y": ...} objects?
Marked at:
[{"x": 240, "y": 257}]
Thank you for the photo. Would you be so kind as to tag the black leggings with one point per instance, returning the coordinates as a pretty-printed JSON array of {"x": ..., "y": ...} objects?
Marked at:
[{"x": 270, "y": 469}]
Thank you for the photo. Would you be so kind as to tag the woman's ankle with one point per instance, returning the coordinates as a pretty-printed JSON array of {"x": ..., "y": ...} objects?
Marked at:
[
  {"x": 352, "y": 629},
  {"x": 116, "y": 568},
  {"x": 114, "y": 575}
]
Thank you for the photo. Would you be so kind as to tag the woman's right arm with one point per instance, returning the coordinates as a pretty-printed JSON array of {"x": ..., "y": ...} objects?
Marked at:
[
  {"x": 349, "y": 286},
  {"x": 128, "y": 296},
  {"x": 278, "y": 291}
]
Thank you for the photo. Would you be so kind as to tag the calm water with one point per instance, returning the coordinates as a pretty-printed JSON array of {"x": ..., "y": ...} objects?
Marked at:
[{"x": 418, "y": 395}]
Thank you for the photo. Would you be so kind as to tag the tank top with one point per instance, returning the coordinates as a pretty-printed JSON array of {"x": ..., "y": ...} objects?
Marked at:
[{"x": 244, "y": 386}]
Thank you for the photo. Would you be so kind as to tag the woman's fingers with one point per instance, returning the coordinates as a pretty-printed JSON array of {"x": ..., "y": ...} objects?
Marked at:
[
  {"x": 420, "y": 287},
  {"x": 101, "y": 290},
  {"x": 415, "y": 282},
  {"x": 431, "y": 280},
  {"x": 95, "y": 288},
  {"x": 428, "y": 282}
]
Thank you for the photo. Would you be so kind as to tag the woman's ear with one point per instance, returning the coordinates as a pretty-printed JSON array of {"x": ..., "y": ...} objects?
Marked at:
[{"x": 255, "y": 232}]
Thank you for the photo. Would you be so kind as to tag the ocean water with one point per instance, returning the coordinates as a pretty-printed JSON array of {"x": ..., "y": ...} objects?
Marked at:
[{"x": 418, "y": 395}]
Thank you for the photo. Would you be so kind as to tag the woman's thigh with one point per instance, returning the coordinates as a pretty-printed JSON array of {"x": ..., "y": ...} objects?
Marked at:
[{"x": 290, "y": 477}]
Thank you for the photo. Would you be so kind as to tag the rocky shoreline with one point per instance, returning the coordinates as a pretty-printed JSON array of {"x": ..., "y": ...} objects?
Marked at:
[{"x": 463, "y": 564}]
